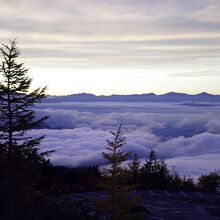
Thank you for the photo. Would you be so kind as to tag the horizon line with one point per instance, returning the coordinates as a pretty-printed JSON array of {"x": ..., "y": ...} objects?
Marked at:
[{"x": 149, "y": 93}]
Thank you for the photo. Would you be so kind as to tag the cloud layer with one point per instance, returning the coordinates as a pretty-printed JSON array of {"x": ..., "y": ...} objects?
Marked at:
[
  {"x": 146, "y": 45},
  {"x": 100, "y": 34},
  {"x": 177, "y": 133}
]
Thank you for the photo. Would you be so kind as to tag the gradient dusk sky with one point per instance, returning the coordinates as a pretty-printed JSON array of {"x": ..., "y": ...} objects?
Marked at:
[{"x": 117, "y": 46}]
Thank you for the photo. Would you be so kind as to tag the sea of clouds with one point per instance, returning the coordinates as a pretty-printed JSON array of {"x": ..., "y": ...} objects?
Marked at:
[{"x": 187, "y": 137}]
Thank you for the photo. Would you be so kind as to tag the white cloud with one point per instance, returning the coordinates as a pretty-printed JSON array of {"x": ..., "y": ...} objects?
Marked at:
[
  {"x": 108, "y": 39},
  {"x": 84, "y": 146},
  {"x": 113, "y": 33},
  {"x": 176, "y": 132},
  {"x": 213, "y": 126},
  {"x": 200, "y": 144},
  {"x": 195, "y": 165}
]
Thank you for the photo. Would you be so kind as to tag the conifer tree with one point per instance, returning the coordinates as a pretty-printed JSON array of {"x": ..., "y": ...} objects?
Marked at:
[
  {"x": 209, "y": 182},
  {"x": 154, "y": 172},
  {"x": 20, "y": 159},
  {"x": 119, "y": 205},
  {"x": 134, "y": 169}
]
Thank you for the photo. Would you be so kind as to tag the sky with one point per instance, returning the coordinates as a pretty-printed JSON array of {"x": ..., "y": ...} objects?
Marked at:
[{"x": 117, "y": 46}]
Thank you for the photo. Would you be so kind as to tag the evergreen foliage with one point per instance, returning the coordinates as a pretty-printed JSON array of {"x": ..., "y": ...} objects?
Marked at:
[
  {"x": 154, "y": 172},
  {"x": 178, "y": 182},
  {"x": 118, "y": 205},
  {"x": 20, "y": 159},
  {"x": 209, "y": 182},
  {"x": 68, "y": 180},
  {"x": 134, "y": 169}
]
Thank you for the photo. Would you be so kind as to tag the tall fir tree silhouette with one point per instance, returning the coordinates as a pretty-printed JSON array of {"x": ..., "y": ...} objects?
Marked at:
[{"x": 20, "y": 158}]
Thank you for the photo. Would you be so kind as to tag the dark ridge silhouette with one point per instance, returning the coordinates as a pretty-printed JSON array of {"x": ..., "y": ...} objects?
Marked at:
[{"x": 150, "y": 97}]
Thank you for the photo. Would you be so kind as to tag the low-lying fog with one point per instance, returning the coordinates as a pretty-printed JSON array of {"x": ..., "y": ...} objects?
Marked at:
[{"x": 186, "y": 135}]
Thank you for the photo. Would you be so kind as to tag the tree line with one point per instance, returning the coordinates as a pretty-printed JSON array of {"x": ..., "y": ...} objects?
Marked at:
[{"x": 140, "y": 176}]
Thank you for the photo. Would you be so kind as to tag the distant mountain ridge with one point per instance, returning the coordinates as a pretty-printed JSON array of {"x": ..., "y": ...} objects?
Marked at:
[{"x": 149, "y": 97}]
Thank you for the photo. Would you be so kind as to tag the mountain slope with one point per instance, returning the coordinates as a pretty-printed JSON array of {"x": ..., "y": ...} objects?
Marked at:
[{"x": 150, "y": 97}]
